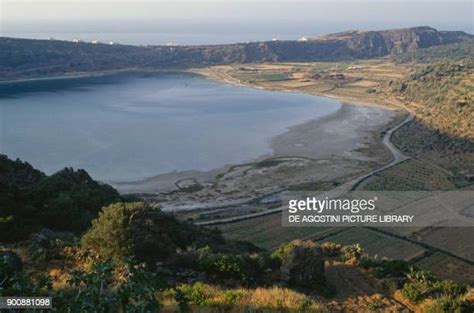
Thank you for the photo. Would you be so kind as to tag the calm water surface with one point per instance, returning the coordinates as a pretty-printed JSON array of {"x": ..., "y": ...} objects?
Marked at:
[{"x": 136, "y": 125}]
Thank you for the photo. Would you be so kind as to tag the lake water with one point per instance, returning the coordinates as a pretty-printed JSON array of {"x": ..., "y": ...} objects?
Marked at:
[{"x": 131, "y": 126}]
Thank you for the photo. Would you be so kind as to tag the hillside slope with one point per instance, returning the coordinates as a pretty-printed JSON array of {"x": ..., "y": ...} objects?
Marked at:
[
  {"x": 23, "y": 58},
  {"x": 30, "y": 200}
]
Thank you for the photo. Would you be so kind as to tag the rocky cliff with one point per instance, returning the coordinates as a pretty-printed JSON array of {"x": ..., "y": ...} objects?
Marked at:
[{"x": 21, "y": 58}]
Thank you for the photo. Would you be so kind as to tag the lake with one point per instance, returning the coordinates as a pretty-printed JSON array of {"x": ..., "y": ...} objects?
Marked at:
[{"x": 131, "y": 126}]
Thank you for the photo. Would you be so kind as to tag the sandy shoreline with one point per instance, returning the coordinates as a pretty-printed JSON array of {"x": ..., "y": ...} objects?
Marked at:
[{"x": 345, "y": 138}]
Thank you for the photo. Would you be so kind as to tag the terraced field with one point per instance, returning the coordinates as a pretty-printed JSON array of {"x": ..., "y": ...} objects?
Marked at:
[
  {"x": 447, "y": 267},
  {"x": 458, "y": 240},
  {"x": 267, "y": 231}
]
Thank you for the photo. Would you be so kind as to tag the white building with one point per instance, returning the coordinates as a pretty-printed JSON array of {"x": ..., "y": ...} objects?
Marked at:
[{"x": 303, "y": 39}]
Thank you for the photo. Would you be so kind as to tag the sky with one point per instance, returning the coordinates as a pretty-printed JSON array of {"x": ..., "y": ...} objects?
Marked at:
[{"x": 204, "y": 21}]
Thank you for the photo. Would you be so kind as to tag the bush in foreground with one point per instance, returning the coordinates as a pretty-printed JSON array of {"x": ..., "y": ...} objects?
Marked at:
[
  {"x": 110, "y": 236},
  {"x": 98, "y": 289}
]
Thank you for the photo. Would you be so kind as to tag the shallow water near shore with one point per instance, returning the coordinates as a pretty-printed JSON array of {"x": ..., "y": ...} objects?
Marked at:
[{"x": 130, "y": 126}]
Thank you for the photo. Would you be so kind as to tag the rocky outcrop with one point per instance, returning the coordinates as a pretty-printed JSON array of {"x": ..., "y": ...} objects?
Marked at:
[{"x": 303, "y": 265}]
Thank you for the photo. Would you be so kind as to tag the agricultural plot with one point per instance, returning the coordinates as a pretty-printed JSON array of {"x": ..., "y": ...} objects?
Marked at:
[
  {"x": 447, "y": 267},
  {"x": 457, "y": 240},
  {"x": 410, "y": 175},
  {"x": 272, "y": 77},
  {"x": 267, "y": 231},
  {"x": 379, "y": 244},
  {"x": 357, "y": 80}
]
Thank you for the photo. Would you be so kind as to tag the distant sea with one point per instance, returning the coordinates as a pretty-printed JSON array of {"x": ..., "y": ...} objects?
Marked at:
[{"x": 197, "y": 32}]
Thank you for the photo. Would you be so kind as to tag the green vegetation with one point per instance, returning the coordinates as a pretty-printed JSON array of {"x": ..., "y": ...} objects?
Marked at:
[
  {"x": 270, "y": 77},
  {"x": 454, "y": 52},
  {"x": 199, "y": 297},
  {"x": 30, "y": 200},
  {"x": 445, "y": 90},
  {"x": 110, "y": 236},
  {"x": 421, "y": 285},
  {"x": 386, "y": 268},
  {"x": 98, "y": 289}
]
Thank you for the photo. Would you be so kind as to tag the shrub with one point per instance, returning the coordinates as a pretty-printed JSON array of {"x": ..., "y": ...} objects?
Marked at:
[
  {"x": 232, "y": 296},
  {"x": 373, "y": 305},
  {"x": 15, "y": 282},
  {"x": 449, "y": 289},
  {"x": 352, "y": 252},
  {"x": 283, "y": 250},
  {"x": 138, "y": 292},
  {"x": 91, "y": 290},
  {"x": 182, "y": 300},
  {"x": 386, "y": 268},
  {"x": 10, "y": 263},
  {"x": 419, "y": 276},
  {"x": 445, "y": 304},
  {"x": 67, "y": 200},
  {"x": 331, "y": 249},
  {"x": 412, "y": 292},
  {"x": 224, "y": 267},
  {"x": 418, "y": 284},
  {"x": 109, "y": 236},
  {"x": 422, "y": 284},
  {"x": 304, "y": 304},
  {"x": 196, "y": 293},
  {"x": 98, "y": 290},
  {"x": 46, "y": 244},
  {"x": 392, "y": 268}
]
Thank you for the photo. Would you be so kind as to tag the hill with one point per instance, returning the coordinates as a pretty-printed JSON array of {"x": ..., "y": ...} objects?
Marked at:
[
  {"x": 136, "y": 258},
  {"x": 190, "y": 269},
  {"x": 30, "y": 200},
  {"x": 25, "y": 58}
]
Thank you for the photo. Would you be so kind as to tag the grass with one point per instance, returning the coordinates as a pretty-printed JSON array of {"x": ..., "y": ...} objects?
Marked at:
[{"x": 206, "y": 298}]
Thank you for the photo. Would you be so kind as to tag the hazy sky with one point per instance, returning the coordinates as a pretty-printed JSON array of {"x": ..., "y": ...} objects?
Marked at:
[{"x": 222, "y": 17}]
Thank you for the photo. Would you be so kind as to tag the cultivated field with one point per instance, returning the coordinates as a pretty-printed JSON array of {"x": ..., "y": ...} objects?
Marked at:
[
  {"x": 447, "y": 267},
  {"x": 411, "y": 175},
  {"x": 267, "y": 231}
]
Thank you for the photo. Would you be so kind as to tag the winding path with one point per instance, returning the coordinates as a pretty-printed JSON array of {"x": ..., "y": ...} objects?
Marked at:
[{"x": 397, "y": 157}]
